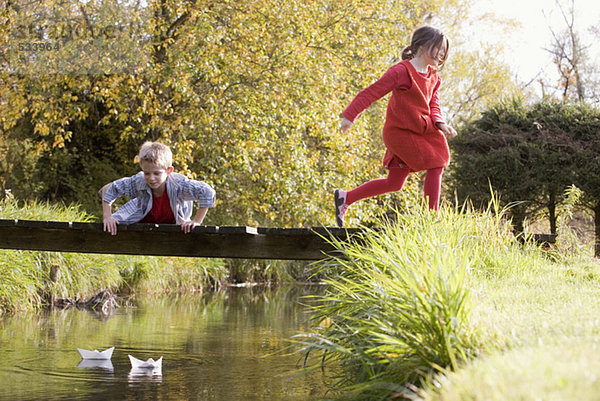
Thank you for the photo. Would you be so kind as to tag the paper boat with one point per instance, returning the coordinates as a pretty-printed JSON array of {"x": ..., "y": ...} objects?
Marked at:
[
  {"x": 148, "y": 364},
  {"x": 105, "y": 364},
  {"x": 95, "y": 354}
]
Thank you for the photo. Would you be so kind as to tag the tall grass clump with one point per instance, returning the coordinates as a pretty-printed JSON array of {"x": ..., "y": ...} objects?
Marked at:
[
  {"x": 36, "y": 210},
  {"x": 172, "y": 274},
  {"x": 399, "y": 300},
  {"x": 26, "y": 282},
  {"x": 568, "y": 244}
]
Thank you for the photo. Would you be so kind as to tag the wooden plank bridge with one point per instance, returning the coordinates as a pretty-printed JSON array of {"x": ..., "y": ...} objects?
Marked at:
[{"x": 169, "y": 240}]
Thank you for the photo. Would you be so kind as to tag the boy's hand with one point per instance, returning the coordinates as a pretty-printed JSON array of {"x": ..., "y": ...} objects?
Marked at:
[
  {"x": 188, "y": 226},
  {"x": 110, "y": 225},
  {"x": 345, "y": 124},
  {"x": 447, "y": 130}
]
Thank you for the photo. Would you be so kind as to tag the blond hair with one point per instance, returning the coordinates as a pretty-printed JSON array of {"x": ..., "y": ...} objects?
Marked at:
[{"x": 156, "y": 153}]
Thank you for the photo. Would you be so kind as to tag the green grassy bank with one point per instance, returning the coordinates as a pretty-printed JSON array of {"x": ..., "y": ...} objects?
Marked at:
[
  {"x": 451, "y": 306},
  {"x": 26, "y": 283}
]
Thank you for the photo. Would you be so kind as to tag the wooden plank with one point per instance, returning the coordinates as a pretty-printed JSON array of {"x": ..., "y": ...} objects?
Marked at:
[
  {"x": 545, "y": 239},
  {"x": 169, "y": 240},
  {"x": 324, "y": 231}
]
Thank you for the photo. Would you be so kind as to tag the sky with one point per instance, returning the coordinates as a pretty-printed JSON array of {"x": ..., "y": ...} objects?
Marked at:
[{"x": 525, "y": 44}]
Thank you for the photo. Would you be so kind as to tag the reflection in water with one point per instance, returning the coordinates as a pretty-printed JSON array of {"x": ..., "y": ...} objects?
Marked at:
[
  {"x": 145, "y": 375},
  {"x": 221, "y": 346}
]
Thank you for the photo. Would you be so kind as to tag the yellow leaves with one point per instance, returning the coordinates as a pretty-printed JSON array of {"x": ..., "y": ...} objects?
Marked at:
[
  {"x": 59, "y": 141},
  {"x": 248, "y": 96},
  {"x": 42, "y": 129}
]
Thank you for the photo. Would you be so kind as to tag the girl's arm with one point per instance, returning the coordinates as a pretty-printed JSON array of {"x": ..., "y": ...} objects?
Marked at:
[
  {"x": 434, "y": 106},
  {"x": 392, "y": 79},
  {"x": 436, "y": 113},
  {"x": 447, "y": 129},
  {"x": 345, "y": 125}
]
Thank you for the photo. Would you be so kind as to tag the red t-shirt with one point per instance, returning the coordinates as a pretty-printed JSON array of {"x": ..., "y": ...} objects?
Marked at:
[{"x": 161, "y": 212}]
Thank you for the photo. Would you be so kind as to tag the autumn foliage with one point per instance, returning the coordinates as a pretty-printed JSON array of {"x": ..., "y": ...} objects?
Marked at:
[{"x": 247, "y": 94}]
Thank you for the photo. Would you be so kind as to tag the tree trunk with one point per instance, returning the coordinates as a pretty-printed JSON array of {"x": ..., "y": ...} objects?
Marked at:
[
  {"x": 552, "y": 213},
  {"x": 597, "y": 226},
  {"x": 518, "y": 224}
]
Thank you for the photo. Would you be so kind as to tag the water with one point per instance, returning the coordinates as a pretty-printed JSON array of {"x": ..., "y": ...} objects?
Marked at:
[{"x": 223, "y": 346}]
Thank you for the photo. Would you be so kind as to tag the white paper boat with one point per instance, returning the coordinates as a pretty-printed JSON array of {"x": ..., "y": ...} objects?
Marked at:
[
  {"x": 105, "y": 364},
  {"x": 148, "y": 364},
  {"x": 95, "y": 354}
]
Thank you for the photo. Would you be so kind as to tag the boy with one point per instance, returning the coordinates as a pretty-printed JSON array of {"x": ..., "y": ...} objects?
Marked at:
[{"x": 158, "y": 195}]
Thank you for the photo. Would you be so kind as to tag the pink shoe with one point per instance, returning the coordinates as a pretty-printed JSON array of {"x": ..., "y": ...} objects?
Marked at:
[{"x": 340, "y": 206}]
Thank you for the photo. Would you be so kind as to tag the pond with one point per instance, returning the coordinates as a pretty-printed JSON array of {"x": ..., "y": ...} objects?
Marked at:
[{"x": 217, "y": 346}]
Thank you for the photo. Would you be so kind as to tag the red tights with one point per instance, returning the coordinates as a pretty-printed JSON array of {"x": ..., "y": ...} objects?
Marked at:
[{"x": 395, "y": 181}]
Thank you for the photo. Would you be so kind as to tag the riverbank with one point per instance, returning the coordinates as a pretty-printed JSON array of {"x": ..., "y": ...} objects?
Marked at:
[
  {"x": 451, "y": 306},
  {"x": 30, "y": 278}
]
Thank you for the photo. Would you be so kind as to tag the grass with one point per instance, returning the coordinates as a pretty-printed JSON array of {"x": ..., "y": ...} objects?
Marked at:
[
  {"x": 547, "y": 315},
  {"x": 26, "y": 284},
  {"x": 548, "y": 318},
  {"x": 451, "y": 306}
]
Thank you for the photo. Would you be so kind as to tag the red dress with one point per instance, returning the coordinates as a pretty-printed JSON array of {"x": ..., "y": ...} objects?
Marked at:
[{"x": 409, "y": 132}]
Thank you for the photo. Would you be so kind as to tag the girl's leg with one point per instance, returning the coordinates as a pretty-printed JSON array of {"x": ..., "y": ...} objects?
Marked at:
[
  {"x": 394, "y": 182},
  {"x": 432, "y": 187}
]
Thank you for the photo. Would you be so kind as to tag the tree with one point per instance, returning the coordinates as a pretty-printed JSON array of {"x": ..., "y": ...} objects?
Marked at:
[
  {"x": 578, "y": 75},
  {"x": 530, "y": 155},
  {"x": 586, "y": 120},
  {"x": 475, "y": 78},
  {"x": 248, "y": 97},
  {"x": 527, "y": 154}
]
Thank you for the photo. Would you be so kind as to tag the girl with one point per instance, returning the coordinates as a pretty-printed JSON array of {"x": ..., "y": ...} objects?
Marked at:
[{"x": 414, "y": 129}]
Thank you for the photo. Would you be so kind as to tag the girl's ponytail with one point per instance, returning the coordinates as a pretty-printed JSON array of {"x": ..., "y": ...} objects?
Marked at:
[{"x": 407, "y": 53}]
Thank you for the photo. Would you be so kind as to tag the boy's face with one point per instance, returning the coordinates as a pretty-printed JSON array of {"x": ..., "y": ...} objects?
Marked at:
[{"x": 155, "y": 176}]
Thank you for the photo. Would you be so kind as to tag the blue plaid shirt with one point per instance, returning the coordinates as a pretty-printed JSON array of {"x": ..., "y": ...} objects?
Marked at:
[{"x": 181, "y": 190}]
